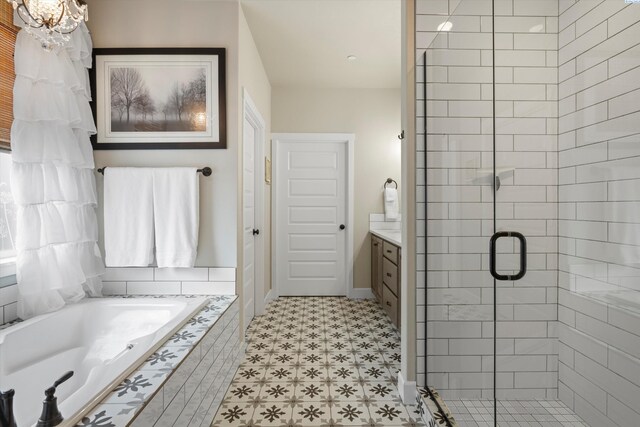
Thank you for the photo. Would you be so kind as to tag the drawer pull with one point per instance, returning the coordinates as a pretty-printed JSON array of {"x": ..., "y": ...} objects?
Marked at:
[
  {"x": 375, "y": 244},
  {"x": 388, "y": 303},
  {"x": 388, "y": 251},
  {"x": 388, "y": 274}
]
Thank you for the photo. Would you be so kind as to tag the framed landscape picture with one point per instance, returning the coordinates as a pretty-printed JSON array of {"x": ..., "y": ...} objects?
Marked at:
[{"x": 156, "y": 98}]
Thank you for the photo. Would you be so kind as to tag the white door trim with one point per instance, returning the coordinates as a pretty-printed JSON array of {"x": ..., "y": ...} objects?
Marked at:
[
  {"x": 253, "y": 116},
  {"x": 345, "y": 138}
]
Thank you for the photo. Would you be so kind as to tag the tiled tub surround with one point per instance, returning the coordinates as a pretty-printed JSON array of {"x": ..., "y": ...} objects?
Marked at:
[
  {"x": 145, "y": 281},
  {"x": 318, "y": 361},
  {"x": 458, "y": 200},
  {"x": 599, "y": 210},
  {"x": 183, "y": 382},
  {"x": 176, "y": 281}
]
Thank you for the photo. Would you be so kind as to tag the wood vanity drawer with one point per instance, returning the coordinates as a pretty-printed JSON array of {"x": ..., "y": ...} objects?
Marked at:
[
  {"x": 390, "y": 251},
  {"x": 390, "y": 275},
  {"x": 390, "y": 304}
]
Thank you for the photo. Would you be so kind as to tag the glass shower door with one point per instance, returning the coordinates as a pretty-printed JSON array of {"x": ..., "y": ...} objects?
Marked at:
[
  {"x": 460, "y": 212},
  {"x": 525, "y": 128}
]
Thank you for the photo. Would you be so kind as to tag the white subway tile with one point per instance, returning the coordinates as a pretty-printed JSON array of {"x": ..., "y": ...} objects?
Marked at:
[
  {"x": 10, "y": 312},
  {"x": 460, "y": 23},
  {"x": 609, "y": 48},
  {"x": 520, "y": 58},
  {"x": 181, "y": 274},
  {"x": 454, "y": 330},
  {"x": 622, "y": 20},
  {"x": 535, "y": 8},
  {"x": 583, "y": 43},
  {"x": 125, "y": 274},
  {"x": 583, "y": 386},
  {"x": 222, "y": 274},
  {"x": 598, "y": 14},
  {"x": 8, "y": 295},
  {"x": 153, "y": 288},
  {"x": 520, "y": 24},
  {"x": 114, "y": 288},
  {"x": 208, "y": 288},
  {"x": 536, "y": 41},
  {"x": 625, "y": 61},
  {"x": 585, "y": 344},
  {"x": 570, "y": 13}
]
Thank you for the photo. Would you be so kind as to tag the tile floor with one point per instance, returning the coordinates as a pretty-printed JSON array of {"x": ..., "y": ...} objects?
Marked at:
[
  {"x": 318, "y": 362},
  {"x": 513, "y": 413}
]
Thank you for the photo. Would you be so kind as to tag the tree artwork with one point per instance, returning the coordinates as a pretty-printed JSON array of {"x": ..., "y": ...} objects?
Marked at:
[{"x": 140, "y": 103}]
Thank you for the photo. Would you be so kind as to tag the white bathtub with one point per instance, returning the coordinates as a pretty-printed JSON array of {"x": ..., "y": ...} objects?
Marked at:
[{"x": 100, "y": 339}]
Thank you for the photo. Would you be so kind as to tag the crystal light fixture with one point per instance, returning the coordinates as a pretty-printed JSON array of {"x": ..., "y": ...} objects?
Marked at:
[{"x": 51, "y": 21}]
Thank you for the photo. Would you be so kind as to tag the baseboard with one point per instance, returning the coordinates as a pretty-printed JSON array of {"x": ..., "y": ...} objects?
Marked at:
[
  {"x": 408, "y": 390},
  {"x": 361, "y": 293}
]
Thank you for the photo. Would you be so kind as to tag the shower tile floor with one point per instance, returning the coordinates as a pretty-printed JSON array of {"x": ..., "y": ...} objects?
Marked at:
[
  {"x": 514, "y": 413},
  {"x": 314, "y": 361}
]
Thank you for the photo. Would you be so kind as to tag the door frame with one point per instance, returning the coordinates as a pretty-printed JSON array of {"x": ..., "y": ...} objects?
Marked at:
[
  {"x": 344, "y": 138},
  {"x": 252, "y": 115}
]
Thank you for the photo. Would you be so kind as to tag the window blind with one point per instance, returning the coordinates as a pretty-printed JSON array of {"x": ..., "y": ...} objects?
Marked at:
[{"x": 8, "y": 34}]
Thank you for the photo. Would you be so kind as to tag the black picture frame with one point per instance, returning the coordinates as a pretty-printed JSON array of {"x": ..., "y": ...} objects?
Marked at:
[{"x": 220, "y": 143}]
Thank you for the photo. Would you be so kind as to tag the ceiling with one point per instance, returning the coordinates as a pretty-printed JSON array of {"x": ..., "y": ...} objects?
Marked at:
[{"x": 305, "y": 43}]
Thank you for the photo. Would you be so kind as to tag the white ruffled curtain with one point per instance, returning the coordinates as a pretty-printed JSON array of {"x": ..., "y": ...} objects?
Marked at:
[{"x": 58, "y": 259}]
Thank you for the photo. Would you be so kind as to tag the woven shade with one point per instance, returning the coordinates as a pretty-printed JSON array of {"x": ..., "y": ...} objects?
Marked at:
[{"x": 7, "y": 44}]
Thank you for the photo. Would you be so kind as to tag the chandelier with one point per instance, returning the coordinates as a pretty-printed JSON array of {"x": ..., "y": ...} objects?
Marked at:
[{"x": 51, "y": 21}]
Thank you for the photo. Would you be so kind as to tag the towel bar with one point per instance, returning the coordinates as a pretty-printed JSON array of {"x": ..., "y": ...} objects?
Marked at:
[
  {"x": 206, "y": 171},
  {"x": 389, "y": 181}
]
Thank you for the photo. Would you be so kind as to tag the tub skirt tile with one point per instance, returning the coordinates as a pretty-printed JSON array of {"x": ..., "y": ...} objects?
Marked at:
[{"x": 151, "y": 413}]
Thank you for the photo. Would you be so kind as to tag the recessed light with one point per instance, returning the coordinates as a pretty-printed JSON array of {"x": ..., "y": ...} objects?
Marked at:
[
  {"x": 445, "y": 26},
  {"x": 352, "y": 57}
]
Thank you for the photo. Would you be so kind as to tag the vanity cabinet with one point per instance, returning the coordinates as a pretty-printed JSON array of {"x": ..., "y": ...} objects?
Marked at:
[
  {"x": 385, "y": 276},
  {"x": 376, "y": 267}
]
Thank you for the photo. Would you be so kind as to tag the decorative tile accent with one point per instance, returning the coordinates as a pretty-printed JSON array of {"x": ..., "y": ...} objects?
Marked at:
[{"x": 318, "y": 361}]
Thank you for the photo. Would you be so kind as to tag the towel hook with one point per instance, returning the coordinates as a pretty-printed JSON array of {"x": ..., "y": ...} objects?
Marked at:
[{"x": 389, "y": 181}]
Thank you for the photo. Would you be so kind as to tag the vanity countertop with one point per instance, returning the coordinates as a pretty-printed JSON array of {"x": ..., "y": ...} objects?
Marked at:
[{"x": 393, "y": 236}]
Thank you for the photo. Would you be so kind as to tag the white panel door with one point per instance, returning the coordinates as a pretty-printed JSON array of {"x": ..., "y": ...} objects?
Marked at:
[
  {"x": 248, "y": 226},
  {"x": 311, "y": 181}
]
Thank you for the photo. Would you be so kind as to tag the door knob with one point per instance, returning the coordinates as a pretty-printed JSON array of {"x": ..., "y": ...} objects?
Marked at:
[
  {"x": 256, "y": 231},
  {"x": 342, "y": 227}
]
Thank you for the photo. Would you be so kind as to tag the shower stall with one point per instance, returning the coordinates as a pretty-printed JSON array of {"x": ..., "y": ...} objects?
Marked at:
[{"x": 528, "y": 126}]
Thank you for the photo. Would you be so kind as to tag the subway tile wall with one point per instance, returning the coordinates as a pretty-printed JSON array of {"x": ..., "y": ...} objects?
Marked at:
[
  {"x": 459, "y": 211},
  {"x": 146, "y": 281},
  {"x": 599, "y": 210},
  {"x": 173, "y": 281}
]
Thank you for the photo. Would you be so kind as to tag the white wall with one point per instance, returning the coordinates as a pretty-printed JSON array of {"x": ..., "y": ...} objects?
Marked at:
[
  {"x": 163, "y": 23},
  {"x": 599, "y": 227},
  {"x": 373, "y": 115},
  {"x": 254, "y": 79}
]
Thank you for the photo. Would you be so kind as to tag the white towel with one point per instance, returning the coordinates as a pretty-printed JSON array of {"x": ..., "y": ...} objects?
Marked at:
[
  {"x": 391, "y": 205},
  {"x": 176, "y": 209},
  {"x": 128, "y": 217}
]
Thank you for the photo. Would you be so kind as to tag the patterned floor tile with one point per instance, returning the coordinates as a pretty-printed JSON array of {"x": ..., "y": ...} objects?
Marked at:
[{"x": 318, "y": 362}]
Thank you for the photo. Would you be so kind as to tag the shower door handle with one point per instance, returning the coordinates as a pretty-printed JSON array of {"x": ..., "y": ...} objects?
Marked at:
[{"x": 523, "y": 255}]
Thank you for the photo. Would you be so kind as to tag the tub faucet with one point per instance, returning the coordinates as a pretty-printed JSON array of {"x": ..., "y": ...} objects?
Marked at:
[
  {"x": 51, "y": 416},
  {"x": 6, "y": 409}
]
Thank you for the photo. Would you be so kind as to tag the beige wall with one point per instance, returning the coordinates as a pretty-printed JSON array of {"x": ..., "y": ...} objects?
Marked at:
[
  {"x": 373, "y": 115},
  {"x": 254, "y": 79},
  {"x": 160, "y": 23}
]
